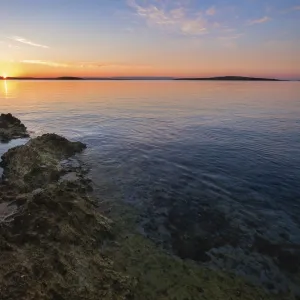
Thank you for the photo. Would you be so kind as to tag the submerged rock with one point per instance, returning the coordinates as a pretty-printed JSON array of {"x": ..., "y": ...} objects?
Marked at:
[
  {"x": 11, "y": 128},
  {"x": 50, "y": 231}
]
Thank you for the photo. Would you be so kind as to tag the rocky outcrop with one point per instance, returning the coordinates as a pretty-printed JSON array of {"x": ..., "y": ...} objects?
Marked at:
[
  {"x": 37, "y": 164},
  {"x": 11, "y": 128},
  {"x": 50, "y": 231}
]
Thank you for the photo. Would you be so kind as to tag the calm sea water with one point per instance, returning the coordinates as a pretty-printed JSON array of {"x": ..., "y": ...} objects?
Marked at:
[{"x": 214, "y": 167}]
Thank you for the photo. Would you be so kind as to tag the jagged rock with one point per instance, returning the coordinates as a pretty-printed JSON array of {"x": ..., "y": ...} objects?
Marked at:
[
  {"x": 11, "y": 128},
  {"x": 37, "y": 163},
  {"x": 50, "y": 230}
]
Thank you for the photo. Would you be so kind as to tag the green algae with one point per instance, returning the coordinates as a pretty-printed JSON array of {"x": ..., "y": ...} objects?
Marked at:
[{"x": 163, "y": 276}]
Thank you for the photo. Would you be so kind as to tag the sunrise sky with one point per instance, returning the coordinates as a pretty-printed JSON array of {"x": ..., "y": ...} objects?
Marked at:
[{"x": 150, "y": 38}]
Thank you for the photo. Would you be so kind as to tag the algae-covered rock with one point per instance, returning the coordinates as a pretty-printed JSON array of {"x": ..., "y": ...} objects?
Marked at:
[
  {"x": 50, "y": 230},
  {"x": 37, "y": 163},
  {"x": 11, "y": 128},
  {"x": 51, "y": 249}
]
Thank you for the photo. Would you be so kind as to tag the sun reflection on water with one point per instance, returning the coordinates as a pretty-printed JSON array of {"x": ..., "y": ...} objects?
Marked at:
[{"x": 5, "y": 88}]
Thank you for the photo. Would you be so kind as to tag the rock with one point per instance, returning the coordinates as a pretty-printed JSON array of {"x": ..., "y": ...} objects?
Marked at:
[
  {"x": 7, "y": 210},
  {"x": 71, "y": 177},
  {"x": 54, "y": 249},
  {"x": 37, "y": 163},
  {"x": 56, "y": 145},
  {"x": 11, "y": 128},
  {"x": 50, "y": 232}
]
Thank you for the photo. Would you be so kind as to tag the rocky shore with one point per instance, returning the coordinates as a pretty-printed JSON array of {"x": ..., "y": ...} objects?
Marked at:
[
  {"x": 11, "y": 128},
  {"x": 55, "y": 242},
  {"x": 50, "y": 231}
]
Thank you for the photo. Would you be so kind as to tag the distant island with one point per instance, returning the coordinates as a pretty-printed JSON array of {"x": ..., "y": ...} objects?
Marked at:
[
  {"x": 232, "y": 78},
  {"x": 43, "y": 78},
  {"x": 86, "y": 78},
  {"x": 220, "y": 78},
  {"x": 68, "y": 78}
]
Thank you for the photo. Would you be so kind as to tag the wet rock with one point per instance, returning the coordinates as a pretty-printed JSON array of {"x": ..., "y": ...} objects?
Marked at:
[
  {"x": 11, "y": 128},
  {"x": 7, "y": 210},
  {"x": 37, "y": 163},
  {"x": 71, "y": 177},
  {"x": 50, "y": 232}
]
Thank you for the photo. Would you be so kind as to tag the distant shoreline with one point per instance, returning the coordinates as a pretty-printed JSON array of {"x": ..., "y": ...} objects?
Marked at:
[
  {"x": 219, "y": 78},
  {"x": 232, "y": 78}
]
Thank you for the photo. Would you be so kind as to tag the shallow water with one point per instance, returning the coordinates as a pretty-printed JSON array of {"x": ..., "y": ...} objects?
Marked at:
[{"x": 214, "y": 167}]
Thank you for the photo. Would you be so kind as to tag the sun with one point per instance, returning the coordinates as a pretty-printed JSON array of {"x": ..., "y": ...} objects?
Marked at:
[{"x": 4, "y": 76}]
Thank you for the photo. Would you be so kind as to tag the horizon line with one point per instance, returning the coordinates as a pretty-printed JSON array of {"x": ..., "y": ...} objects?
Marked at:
[{"x": 226, "y": 77}]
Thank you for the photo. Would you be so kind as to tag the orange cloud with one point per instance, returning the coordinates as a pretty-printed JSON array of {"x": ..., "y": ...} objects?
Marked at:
[
  {"x": 46, "y": 63},
  {"x": 259, "y": 21},
  {"x": 81, "y": 64}
]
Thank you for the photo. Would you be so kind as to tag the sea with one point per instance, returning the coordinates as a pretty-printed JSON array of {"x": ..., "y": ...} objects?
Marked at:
[{"x": 212, "y": 167}]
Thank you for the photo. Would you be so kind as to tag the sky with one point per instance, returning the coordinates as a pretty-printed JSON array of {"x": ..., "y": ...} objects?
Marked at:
[{"x": 178, "y": 38}]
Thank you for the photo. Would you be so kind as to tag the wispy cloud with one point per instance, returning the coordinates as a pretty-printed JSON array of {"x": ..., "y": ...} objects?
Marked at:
[
  {"x": 231, "y": 37},
  {"x": 81, "y": 64},
  {"x": 176, "y": 20},
  {"x": 26, "y": 41},
  {"x": 211, "y": 11},
  {"x": 46, "y": 63},
  {"x": 259, "y": 21},
  {"x": 294, "y": 8}
]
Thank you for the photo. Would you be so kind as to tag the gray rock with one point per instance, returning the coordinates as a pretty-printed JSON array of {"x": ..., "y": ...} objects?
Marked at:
[{"x": 11, "y": 128}]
